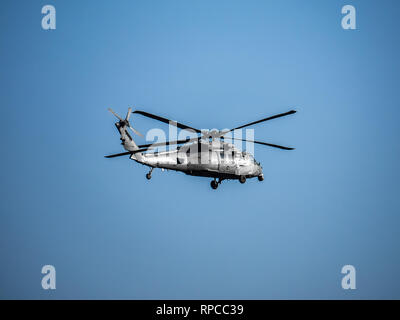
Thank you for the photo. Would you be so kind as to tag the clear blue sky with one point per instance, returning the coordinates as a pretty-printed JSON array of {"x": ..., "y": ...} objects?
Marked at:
[{"x": 110, "y": 233}]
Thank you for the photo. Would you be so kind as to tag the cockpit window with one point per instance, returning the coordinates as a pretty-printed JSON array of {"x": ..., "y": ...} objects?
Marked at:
[{"x": 250, "y": 156}]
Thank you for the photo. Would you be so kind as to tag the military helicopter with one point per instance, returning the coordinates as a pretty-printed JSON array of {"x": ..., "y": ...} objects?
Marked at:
[{"x": 206, "y": 155}]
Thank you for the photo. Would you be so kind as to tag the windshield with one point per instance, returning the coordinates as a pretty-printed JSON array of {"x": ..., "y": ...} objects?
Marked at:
[{"x": 248, "y": 156}]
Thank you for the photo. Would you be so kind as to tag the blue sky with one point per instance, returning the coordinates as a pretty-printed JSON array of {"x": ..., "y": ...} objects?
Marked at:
[{"x": 110, "y": 233}]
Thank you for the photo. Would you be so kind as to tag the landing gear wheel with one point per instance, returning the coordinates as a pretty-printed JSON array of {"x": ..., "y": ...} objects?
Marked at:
[
  {"x": 261, "y": 177},
  {"x": 148, "y": 175},
  {"x": 242, "y": 179},
  {"x": 214, "y": 184}
]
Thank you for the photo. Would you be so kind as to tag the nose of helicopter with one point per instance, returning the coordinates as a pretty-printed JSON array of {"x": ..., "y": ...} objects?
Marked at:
[{"x": 258, "y": 168}]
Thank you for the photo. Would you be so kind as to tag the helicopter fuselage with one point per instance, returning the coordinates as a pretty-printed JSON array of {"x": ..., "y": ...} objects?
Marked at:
[{"x": 230, "y": 163}]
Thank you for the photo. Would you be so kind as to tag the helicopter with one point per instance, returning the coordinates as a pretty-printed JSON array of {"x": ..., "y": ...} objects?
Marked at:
[{"x": 205, "y": 155}]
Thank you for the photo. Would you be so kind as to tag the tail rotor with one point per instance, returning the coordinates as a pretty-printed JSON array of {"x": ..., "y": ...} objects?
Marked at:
[{"x": 125, "y": 122}]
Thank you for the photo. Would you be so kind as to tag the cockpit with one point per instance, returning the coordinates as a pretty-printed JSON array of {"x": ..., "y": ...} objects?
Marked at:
[
  {"x": 249, "y": 156},
  {"x": 237, "y": 154}
]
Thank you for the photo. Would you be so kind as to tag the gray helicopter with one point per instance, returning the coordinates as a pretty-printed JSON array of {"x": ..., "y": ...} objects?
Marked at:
[{"x": 206, "y": 155}]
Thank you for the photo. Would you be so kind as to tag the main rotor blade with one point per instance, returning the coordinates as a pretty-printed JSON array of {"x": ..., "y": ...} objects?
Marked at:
[
  {"x": 262, "y": 120},
  {"x": 166, "y": 143},
  {"x": 146, "y": 147},
  {"x": 140, "y": 150},
  {"x": 265, "y": 144},
  {"x": 118, "y": 154},
  {"x": 165, "y": 120},
  {"x": 112, "y": 111}
]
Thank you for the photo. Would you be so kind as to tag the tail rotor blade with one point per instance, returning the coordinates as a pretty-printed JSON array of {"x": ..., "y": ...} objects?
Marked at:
[
  {"x": 128, "y": 114},
  {"x": 112, "y": 111},
  {"x": 137, "y": 132}
]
